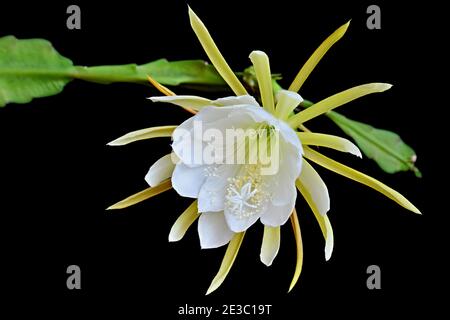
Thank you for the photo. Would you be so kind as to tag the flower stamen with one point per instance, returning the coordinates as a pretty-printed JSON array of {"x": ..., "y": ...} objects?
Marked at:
[{"x": 244, "y": 194}]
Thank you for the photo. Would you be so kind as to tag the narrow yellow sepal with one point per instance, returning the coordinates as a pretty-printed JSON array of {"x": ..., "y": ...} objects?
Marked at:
[
  {"x": 299, "y": 246},
  {"x": 329, "y": 141},
  {"x": 193, "y": 103},
  {"x": 214, "y": 55},
  {"x": 184, "y": 221},
  {"x": 322, "y": 219},
  {"x": 167, "y": 92},
  {"x": 287, "y": 101},
  {"x": 360, "y": 177},
  {"x": 227, "y": 262},
  {"x": 148, "y": 133},
  {"x": 270, "y": 245},
  {"x": 312, "y": 181},
  {"x": 314, "y": 59},
  {"x": 335, "y": 101},
  {"x": 261, "y": 64},
  {"x": 143, "y": 195},
  {"x": 164, "y": 90}
]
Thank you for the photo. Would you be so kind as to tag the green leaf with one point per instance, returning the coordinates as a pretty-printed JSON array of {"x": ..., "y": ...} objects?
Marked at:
[
  {"x": 386, "y": 148},
  {"x": 30, "y": 69},
  {"x": 168, "y": 73}
]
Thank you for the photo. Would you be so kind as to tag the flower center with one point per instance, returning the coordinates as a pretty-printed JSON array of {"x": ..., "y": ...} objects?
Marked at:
[{"x": 245, "y": 195}]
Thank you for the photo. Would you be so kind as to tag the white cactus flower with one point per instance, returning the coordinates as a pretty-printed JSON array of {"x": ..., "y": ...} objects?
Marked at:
[{"x": 232, "y": 196}]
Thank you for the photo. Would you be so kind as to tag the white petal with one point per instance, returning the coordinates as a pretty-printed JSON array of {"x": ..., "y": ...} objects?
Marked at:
[
  {"x": 212, "y": 193},
  {"x": 209, "y": 114},
  {"x": 213, "y": 113},
  {"x": 283, "y": 193},
  {"x": 191, "y": 132},
  {"x": 282, "y": 185},
  {"x": 212, "y": 196},
  {"x": 252, "y": 108},
  {"x": 160, "y": 170},
  {"x": 181, "y": 137},
  {"x": 315, "y": 186},
  {"x": 213, "y": 230},
  {"x": 239, "y": 224},
  {"x": 187, "y": 181},
  {"x": 290, "y": 136},
  {"x": 184, "y": 135},
  {"x": 287, "y": 133},
  {"x": 275, "y": 216},
  {"x": 191, "y": 136},
  {"x": 230, "y": 119},
  {"x": 258, "y": 114},
  {"x": 232, "y": 101}
]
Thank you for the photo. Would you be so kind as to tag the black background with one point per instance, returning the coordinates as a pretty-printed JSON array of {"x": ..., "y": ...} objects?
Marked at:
[{"x": 58, "y": 175}]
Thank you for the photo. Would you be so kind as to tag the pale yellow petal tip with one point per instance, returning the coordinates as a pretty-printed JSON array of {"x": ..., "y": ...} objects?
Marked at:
[
  {"x": 211, "y": 289},
  {"x": 329, "y": 245},
  {"x": 292, "y": 286},
  {"x": 193, "y": 18},
  {"x": 173, "y": 238},
  {"x": 113, "y": 207},
  {"x": 158, "y": 99},
  {"x": 354, "y": 150},
  {"x": 294, "y": 282},
  {"x": 347, "y": 24},
  {"x": 328, "y": 254},
  {"x": 342, "y": 29},
  {"x": 415, "y": 210},
  {"x": 384, "y": 86},
  {"x": 291, "y": 94},
  {"x": 409, "y": 206},
  {"x": 266, "y": 260},
  {"x": 257, "y": 53},
  {"x": 115, "y": 143},
  {"x": 378, "y": 86},
  {"x": 192, "y": 14}
]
